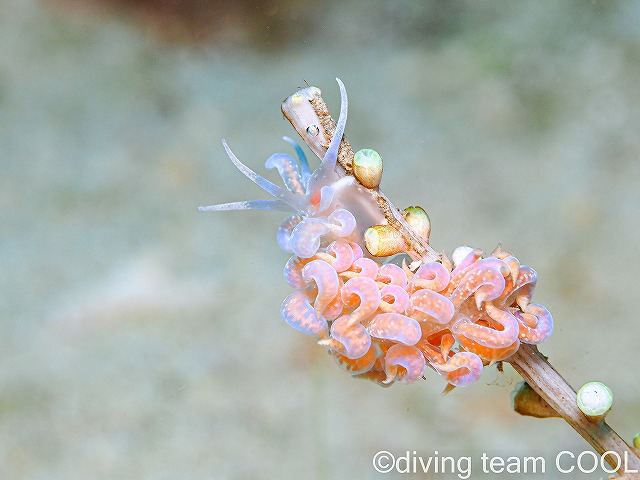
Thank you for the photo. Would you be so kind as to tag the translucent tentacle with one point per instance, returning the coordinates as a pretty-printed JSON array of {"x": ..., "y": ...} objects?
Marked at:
[
  {"x": 305, "y": 237},
  {"x": 357, "y": 366},
  {"x": 487, "y": 336},
  {"x": 458, "y": 274},
  {"x": 537, "y": 329},
  {"x": 335, "y": 307},
  {"x": 288, "y": 170},
  {"x": 430, "y": 305},
  {"x": 491, "y": 288},
  {"x": 341, "y": 255},
  {"x": 521, "y": 290},
  {"x": 326, "y": 279},
  {"x": 489, "y": 354},
  {"x": 485, "y": 283},
  {"x": 352, "y": 341},
  {"x": 285, "y": 230},
  {"x": 366, "y": 268},
  {"x": 342, "y": 222},
  {"x": 326, "y": 168},
  {"x": 514, "y": 266},
  {"x": 275, "y": 205},
  {"x": 394, "y": 273},
  {"x": 396, "y": 327},
  {"x": 525, "y": 285},
  {"x": 290, "y": 198},
  {"x": 305, "y": 171},
  {"x": 461, "y": 370},
  {"x": 357, "y": 251},
  {"x": 400, "y": 298},
  {"x": 298, "y": 312},
  {"x": 433, "y": 276},
  {"x": 410, "y": 360},
  {"x": 293, "y": 272},
  {"x": 364, "y": 291}
]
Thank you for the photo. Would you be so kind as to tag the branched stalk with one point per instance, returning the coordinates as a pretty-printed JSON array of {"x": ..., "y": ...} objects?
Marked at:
[{"x": 309, "y": 115}]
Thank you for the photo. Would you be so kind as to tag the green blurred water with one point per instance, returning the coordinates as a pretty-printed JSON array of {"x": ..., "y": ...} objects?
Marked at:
[{"x": 142, "y": 339}]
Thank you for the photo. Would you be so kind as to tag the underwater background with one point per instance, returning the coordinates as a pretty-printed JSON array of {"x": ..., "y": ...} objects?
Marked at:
[{"x": 141, "y": 339}]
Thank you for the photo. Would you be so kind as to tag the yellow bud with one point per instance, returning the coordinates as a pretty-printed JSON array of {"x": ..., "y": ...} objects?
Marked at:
[
  {"x": 367, "y": 167},
  {"x": 383, "y": 240},
  {"x": 419, "y": 221}
]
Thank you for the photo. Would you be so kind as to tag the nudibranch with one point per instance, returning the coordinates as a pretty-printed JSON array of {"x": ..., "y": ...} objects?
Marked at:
[{"x": 383, "y": 321}]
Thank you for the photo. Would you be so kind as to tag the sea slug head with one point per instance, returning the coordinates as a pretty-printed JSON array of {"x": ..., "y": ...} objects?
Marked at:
[{"x": 322, "y": 206}]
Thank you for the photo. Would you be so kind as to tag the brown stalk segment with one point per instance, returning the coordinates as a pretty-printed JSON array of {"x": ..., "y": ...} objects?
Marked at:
[{"x": 555, "y": 390}]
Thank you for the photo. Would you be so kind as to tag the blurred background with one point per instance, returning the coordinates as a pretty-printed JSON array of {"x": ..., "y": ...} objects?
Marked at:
[{"x": 141, "y": 339}]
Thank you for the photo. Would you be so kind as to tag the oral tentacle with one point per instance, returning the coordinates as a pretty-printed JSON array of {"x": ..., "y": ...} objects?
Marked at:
[
  {"x": 326, "y": 168},
  {"x": 275, "y": 205},
  {"x": 281, "y": 194}
]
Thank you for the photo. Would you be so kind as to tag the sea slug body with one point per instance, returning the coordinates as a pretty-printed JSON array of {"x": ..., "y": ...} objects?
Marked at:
[{"x": 379, "y": 320}]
